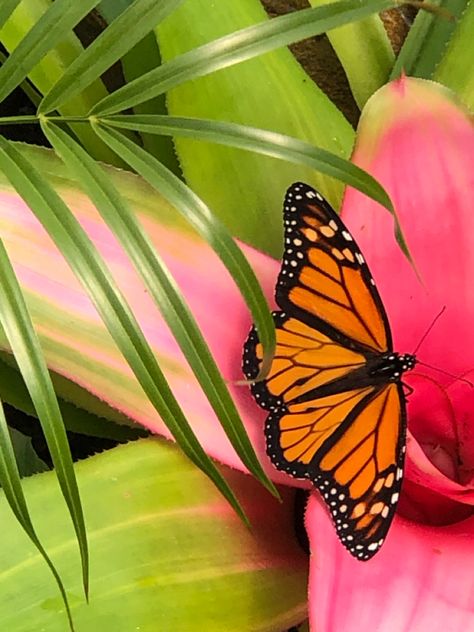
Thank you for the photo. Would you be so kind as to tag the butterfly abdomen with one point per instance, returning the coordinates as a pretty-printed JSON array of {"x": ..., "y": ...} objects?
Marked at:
[{"x": 377, "y": 371}]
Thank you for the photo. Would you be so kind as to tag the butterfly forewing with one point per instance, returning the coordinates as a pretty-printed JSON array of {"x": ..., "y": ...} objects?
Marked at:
[
  {"x": 324, "y": 280},
  {"x": 335, "y": 400},
  {"x": 304, "y": 359}
]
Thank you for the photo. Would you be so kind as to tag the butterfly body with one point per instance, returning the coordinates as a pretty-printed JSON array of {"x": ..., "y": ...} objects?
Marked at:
[
  {"x": 334, "y": 393},
  {"x": 377, "y": 370}
]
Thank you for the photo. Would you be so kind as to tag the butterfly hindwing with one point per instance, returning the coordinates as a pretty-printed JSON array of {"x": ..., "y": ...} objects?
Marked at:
[
  {"x": 350, "y": 444},
  {"x": 360, "y": 474}
]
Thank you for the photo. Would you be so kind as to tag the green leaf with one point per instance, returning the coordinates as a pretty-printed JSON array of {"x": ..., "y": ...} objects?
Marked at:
[
  {"x": 168, "y": 552},
  {"x": 237, "y": 47},
  {"x": 7, "y": 8},
  {"x": 427, "y": 39},
  {"x": 30, "y": 91},
  {"x": 27, "y": 460},
  {"x": 88, "y": 266},
  {"x": 111, "y": 9},
  {"x": 455, "y": 69},
  {"x": 157, "y": 278},
  {"x": 24, "y": 343},
  {"x": 42, "y": 44},
  {"x": 270, "y": 91},
  {"x": 13, "y": 391},
  {"x": 15, "y": 500},
  {"x": 365, "y": 52},
  {"x": 197, "y": 213},
  {"x": 143, "y": 57},
  {"x": 60, "y": 18},
  {"x": 118, "y": 38},
  {"x": 261, "y": 141},
  {"x": 266, "y": 142}
]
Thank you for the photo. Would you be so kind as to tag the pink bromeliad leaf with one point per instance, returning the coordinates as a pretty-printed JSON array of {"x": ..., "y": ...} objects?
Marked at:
[
  {"x": 420, "y": 145},
  {"x": 420, "y": 580}
]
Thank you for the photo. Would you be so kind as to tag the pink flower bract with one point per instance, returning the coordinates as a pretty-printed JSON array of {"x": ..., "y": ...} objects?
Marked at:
[{"x": 419, "y": 144}]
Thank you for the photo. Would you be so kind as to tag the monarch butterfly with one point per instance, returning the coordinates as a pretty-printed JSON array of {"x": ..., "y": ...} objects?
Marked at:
[{"x": 334, "y": 393}]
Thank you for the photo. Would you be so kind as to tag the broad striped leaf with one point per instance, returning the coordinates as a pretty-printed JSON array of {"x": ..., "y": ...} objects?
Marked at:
[
  {"x": 237, "y": 47},
  {"x": 163, "y": 289},
  {"x": 169, "y": 553},
  {"x": 87, "y": 264}
]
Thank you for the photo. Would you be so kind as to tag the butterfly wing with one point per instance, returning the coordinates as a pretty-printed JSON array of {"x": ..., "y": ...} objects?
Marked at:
[
  {"x": 360, "y": 468},
  {"x": 324, "y": 280},
  {"x": 349, "y": 443},
  {"x": 345, "y": 433},
  {"x": 304, "y": 359}
]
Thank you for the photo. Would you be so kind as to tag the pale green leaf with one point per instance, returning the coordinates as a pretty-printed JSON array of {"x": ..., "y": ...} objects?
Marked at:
[
  {"x": 15, "y": 501},
  {"x": 7, "y": 8},
  {"x": 18, "y": 328},
  {"x": 456, "y": 70},
  {"x": 271, "y": 92},
  {"x": 48, "y": 31},
  {"x": 365, "y": 52},
  {"x": 42, "y": 44},
  {"x": 427, "y": 39},
  {"x": 169, "y": 553},
  {"x": 118, "y": 38},
  {"x": 237, "y": 47}
]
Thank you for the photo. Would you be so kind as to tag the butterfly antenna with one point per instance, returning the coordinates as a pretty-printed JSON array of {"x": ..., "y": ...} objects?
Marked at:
[
  {"x": 423, "y": 337},
  {"x": 456, "y": 377}
]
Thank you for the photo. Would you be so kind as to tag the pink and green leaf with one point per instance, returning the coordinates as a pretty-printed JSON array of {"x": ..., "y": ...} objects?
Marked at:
[
  {"x": 162, "y": 287},
  {"x": 420, "y": 580}
]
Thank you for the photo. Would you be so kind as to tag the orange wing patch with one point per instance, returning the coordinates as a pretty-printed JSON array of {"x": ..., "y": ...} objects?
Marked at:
[
  {"x": 307, "y": 426},
  {"x": 304, "y": 360},
  {"x": 363, "y": 469},
  {"x": 345, "y": 303},
  {"x": 328, "y": 279}
]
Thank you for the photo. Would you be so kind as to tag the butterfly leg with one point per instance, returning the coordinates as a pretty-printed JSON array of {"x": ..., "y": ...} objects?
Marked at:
[{"x": 409, "y": 389}]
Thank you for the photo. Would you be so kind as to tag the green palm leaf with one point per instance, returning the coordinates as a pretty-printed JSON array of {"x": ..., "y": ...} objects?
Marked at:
[
  {"x": 85, "y": 261},
  {"x": 164, "y": 290}
]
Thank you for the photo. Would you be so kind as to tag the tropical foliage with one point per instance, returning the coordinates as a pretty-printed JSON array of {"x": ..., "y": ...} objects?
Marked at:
[{"x": 125, "y": 297}]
